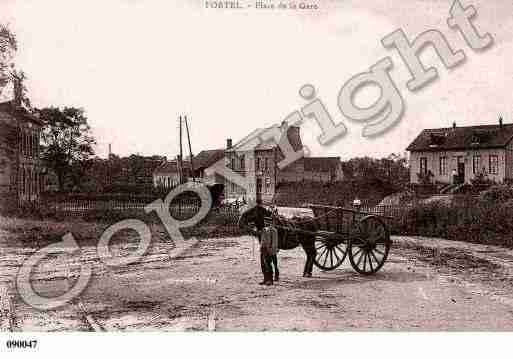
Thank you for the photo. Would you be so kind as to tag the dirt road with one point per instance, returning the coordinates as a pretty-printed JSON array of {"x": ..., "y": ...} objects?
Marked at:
[{"x": 214, "y": 287}]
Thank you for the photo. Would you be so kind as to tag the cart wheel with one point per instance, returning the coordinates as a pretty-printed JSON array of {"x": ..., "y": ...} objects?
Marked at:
[
  {"x": 368, "y": 249},
  {"x": 330, "y": 254}
]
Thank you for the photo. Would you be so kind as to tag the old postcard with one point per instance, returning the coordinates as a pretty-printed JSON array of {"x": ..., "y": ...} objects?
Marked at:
[{"x": 246, "y": 166}]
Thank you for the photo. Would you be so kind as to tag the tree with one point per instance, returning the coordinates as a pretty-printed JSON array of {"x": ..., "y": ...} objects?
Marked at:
[
  {"x": 18, "y": 78},
  {"x": 8, "y": 48},
  {"x": 8, "y": 72},
  {"x": 67, "y": 143},
  {"x": 391, "y": 173}
]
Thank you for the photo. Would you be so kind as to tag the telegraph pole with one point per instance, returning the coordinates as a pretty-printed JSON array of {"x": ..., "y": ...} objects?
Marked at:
[
  {"x": 180, "y": 167},
  {"x": 190, "y": 149}
]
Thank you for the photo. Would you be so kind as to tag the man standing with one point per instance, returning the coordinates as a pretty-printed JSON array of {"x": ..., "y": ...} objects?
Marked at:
[
  {"x": 268, "y": 254},
  {"x": 257, "y": 215},
  {"x": 454, "y": 176}
]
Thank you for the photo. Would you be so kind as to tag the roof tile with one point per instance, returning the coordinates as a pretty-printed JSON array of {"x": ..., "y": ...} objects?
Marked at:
[{"x": 463, "y": 138}]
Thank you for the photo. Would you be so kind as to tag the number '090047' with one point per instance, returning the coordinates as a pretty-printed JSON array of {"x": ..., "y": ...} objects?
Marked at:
[{"x": 21, "y": 344}]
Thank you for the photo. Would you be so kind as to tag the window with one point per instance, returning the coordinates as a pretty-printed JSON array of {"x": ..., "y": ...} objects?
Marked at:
[
  {"x": 259, "y": 185},
  {"x": 423, "y": 165},
  {"x": 28, "y": 148},
  {"x": 258, "y": 163},
  {"x": 29, "y": 184},
  {"x": 30, "y": 140},
  {"x": 443, "y": 166},
  {"x": 23, "y": 182},
  {"x": 266, "y": 164},
  {"x": 36, "y": 183},
  {"x": 493, "y": 165},
  {"x": 232, "y": 163},
  {"x": 23, "y": 144},
  {"x": 20, "y": 142},
  {"x": 34, "y": 144},
  {"x": 476, "y": 163},
  {"x": 268, "y": 185},
  {"x": 242, "y": 164}
]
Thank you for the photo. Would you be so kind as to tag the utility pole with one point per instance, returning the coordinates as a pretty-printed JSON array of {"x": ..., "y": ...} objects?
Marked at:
[
  {"x": 180, "y": 167},
  {"x": 109, "y": 166},
  {"x": 190, "y": 149}
]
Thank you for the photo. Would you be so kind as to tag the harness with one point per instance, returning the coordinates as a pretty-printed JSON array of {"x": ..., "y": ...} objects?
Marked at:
[{"x": 289, "y": 230}]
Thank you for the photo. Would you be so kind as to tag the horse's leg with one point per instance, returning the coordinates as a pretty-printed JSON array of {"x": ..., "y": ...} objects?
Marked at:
[
  {"x": 276, "y": 270},
  {"x": 308, "y": 245},
  {"x": 313, "y": 253}
]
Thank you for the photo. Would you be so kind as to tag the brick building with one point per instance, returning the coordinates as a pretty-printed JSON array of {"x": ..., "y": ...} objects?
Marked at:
[
  {"x": 20, "y": 164},
  {"x": 260, "y": 165}
]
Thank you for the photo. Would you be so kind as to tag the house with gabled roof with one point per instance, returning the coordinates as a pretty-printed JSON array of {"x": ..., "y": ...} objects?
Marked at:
[
  {"x": 258, "y": 161},
  {"x": 204, "y": 160},
  {"x": 167, "y": 175},
  {"x": 459, "y": 154}
]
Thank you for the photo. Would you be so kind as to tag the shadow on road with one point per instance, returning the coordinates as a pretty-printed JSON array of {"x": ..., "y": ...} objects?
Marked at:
[{"x": 325, "y": 280}]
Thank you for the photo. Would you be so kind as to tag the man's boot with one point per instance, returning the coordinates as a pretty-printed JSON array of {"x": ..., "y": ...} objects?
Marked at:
[
  {"x": 268, "y": 279},
  {"x": 276, "y": 276}
]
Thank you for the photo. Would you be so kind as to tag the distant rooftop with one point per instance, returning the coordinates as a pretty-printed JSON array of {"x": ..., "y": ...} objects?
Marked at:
[
  {"x": 171, "y": 167},
  {"x": 253, "y": 142},
  {"x": 20, "y": 111},
  {"x": 207, "y": 158},
  {"x": 321, "y": 164},
  {"x": 463, "y": 138}
]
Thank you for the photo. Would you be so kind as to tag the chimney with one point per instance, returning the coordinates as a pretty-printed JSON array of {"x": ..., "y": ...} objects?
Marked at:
[
  {"x": 294, "y": 137},
  {"x": 500, "y": 122},
  {"x": 454, "y": 125},
  {"x": 18, "y": 91},
  {"x": 228, "y": 143}
]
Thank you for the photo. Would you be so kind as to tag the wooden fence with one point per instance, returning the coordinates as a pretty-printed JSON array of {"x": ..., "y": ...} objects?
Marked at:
[{"x": 180, "y": 208}]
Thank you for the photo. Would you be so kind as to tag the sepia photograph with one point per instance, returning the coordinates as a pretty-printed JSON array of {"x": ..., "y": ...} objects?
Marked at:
[{"x": 202, "y": 172}]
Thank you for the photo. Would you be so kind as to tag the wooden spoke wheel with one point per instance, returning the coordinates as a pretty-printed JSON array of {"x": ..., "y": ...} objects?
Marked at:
[
  {"x": 368, "y": 249},
  {"x": 330, "y": 253}
]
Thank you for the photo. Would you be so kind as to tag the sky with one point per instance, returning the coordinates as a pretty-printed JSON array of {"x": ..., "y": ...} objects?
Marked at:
[{"x": 136, "y": 65}]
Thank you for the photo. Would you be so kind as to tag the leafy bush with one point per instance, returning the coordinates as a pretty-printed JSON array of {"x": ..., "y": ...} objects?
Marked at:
[
  {"x": 295, "y": 194},
  {"x": 425, "y": 178},
  {"x": 497, "y": 194},
  {"x": 428, "y": 219},
  {"x": 481, "y": 180},
  {"x": 467, "y": 220}
]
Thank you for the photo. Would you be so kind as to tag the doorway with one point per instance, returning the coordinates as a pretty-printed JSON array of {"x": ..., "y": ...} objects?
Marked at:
[{"x": 461, "y": 170}]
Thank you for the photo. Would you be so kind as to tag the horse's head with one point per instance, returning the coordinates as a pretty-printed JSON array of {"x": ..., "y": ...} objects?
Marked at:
[
  {"x": 277, "y": 218},
  {"x": 307, "y": 224}
]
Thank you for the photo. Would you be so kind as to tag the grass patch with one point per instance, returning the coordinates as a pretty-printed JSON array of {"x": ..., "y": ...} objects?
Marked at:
[{"x": 37, "y": 233}]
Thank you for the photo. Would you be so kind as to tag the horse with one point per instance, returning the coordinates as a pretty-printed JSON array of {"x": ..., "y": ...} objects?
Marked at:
[{"x": 292, "y": 233}]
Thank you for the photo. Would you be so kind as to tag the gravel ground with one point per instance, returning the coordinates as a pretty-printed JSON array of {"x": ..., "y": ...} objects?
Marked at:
[{"x": 213, "y": 286}]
